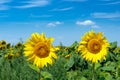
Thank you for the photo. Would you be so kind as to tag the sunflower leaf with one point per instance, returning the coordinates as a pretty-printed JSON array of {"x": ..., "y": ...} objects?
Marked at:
[
  {"x": 69, "y": 63},
  {"x": 97, "y": 65},
  {"x": 46, "y": 74},
  {"x": 108, "y": 68},
  {"x": 113, "y": 45},
  {"x": 83, "y": 78},
  {"x": 34, "y": 67}
]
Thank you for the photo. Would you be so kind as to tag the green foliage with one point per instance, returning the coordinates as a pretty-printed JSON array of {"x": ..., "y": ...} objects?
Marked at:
[
  {"x": 113, "y": 45},
  {"x": 46, "y": 75},
  {"x": 34, "y": 67},
  {"x": 71, "y": 67}
]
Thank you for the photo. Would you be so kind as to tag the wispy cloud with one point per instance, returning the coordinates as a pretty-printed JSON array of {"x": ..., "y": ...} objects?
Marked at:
[
  {"x": 34, "y": 3},
  {"x": 62, "y": 9},
  {"x": 3, "y": 5},
  {"x": 111, "y": 3},
  {"x": 106, "y": 15},
  {"x": 53, "y": 24},
  {"x": 87, "y": 23},
  {"x": 40, "y": 16},
  {"x": 105, "y": 0},
  {"x": 75, "y": 0}
]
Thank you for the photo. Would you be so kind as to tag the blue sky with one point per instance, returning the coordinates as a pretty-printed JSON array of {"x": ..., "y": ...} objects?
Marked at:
[{"x": 65, "y": 20}]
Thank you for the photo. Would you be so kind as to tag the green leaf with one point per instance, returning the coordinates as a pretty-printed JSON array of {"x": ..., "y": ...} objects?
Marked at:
[
  {"x": 113, "y": 45},
  {"x": 1, "y": 60},
  {"x": 46, "y": 74},
  {"x": 102, "y": 78},
  {"x": 97, "y": 65},
  {"x": 69, "y": 63},
  {"x": 83, "y": 78},
  {"x": 108, "y": 76},
  {"x": 108, "y": 68},
  {"x": 34, "y": 67},
  {"x": 118, "y": 78},
  {"x": 71, "y": 75},
  {"x": 74, "y": 44}
]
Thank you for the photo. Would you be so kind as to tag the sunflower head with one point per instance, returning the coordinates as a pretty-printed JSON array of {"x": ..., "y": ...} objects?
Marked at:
[
  {"x": 9, "y": 56},
  {"x": 3, "y": 42},
  {"x": 94, "y": 46},
  {"x": 4, "y": 47},
  {"x": 40, "y": 50},
  {"x": 0, "y": 47},
  {"x": 8, "y": 45},
  {"x": 18, "y": 45}
]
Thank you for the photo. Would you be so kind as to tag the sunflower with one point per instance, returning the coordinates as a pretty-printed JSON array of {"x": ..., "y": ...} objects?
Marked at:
[
  {"x": 39, "y": 50},
  {"x": 3, "y": 42},
  {"x": 9, "y": 56},
  {"x": 93, "y": 46}
]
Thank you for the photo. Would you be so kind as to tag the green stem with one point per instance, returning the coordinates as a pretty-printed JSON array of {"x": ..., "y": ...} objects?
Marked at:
[
  {"x": 93, "y": 71},
  {"x": 39, "y": 73}
]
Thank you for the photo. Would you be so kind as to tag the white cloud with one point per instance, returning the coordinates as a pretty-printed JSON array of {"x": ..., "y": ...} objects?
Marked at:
[
  {"x": 87, "y": 23},
  {"x": 53, "y": 24},
  {"x": 75, "y": 0},
  {"x": 62, "y": 9},
  {"x": 3, "y": 5},
  {"x": 106, "y": 15},
  {"x": 34, "y": 3},
  {"x": 111, "y": 3}
]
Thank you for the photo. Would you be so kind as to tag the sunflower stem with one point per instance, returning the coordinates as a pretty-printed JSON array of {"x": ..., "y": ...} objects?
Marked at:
[
  {"x": 39, "y": 73},
  {"x": 93, "y": 71}
]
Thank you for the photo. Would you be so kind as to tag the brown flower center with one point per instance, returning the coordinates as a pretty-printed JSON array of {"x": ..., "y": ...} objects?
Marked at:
[
  {"x": 94, "y": 46},
  {"x": 41, "y": 50}
]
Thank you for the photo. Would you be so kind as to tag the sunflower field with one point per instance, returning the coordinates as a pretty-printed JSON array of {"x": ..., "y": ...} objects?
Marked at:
[{"x": 92, "y": 58}]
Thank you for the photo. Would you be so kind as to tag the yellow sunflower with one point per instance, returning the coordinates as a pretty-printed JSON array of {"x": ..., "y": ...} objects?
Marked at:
[
  {"x": 39, "y": 50},
  {"x": 9, "y": 56},
  {"x": 93, "y": 46}
]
